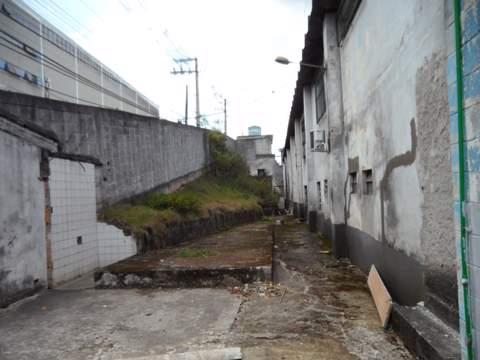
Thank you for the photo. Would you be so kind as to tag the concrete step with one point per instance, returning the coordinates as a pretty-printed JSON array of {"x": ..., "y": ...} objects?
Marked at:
[
  {"x": 231, "y": 258},
  {"x": 424, "y": 334},
  {"x": 181, "y": 278},
  {"x": 216, "y": 354}
]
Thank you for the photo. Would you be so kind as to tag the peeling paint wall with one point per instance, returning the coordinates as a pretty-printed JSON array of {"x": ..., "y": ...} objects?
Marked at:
[
  {"x": 22, "y": 220},
  {"x": 388, "y": 168},
  {"x": 396, "y": 120}
]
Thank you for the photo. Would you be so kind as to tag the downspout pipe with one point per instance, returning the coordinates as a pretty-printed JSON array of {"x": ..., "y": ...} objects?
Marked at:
[{"x": 461, "y": 158}]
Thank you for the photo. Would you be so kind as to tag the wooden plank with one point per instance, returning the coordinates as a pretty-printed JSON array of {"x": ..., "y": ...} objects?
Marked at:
[{"x": 381, "y": 296}]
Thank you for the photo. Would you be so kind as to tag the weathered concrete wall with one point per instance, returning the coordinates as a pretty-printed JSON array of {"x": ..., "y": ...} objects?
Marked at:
[
  {"x": 138, "y": 153},
  {"x": 387, "y": 115},
  {"x": 22, "y": 220},
  {"x": 325, "y": 170},
  {"x": 396, "y": 121},
  {"x": 257, "y": 151}
]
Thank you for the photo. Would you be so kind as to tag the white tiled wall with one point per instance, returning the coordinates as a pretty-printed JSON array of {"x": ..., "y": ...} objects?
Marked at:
[
  {"x": 72, "y": 197},
  {"x": 113, "y": 245}
]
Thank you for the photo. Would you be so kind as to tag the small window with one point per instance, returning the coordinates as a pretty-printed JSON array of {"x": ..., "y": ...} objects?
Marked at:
[
  {"x": 303, "y": 140},
  {"x": 367, "y": 182},
  {"x": 320, "y": 103},
  {"x": 261, "y": 172},
  {"x": 353, "y": 183},
  {"x": 325, "y": 189},
  {"x": 306, "y": 194},
  {"x": 319, "y": 194},
  {"x": 312, "y": 140}
]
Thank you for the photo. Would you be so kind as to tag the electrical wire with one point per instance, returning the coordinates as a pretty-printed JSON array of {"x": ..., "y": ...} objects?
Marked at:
[
  {"x": 79, "y": 24},
  {"x": 84, "y": 80},
  {"x": 68, "y": 73},
  {"x": 54, "y": 44},
  {"x": 36, "y": 4}
]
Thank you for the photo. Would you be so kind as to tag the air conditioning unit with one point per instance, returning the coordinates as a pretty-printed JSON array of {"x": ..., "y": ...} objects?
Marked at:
[{"x": 321, "y": 141}]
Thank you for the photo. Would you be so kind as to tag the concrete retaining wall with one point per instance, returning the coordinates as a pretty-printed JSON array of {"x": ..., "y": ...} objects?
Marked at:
[
  {"x": 177, "y": 232},
  {"x": 138, "y": 153}
]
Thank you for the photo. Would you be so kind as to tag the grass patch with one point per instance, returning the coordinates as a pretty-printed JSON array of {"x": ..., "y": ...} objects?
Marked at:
[
  {"x": 228, "y": 187},
  {"x": 188, "y": 253}
]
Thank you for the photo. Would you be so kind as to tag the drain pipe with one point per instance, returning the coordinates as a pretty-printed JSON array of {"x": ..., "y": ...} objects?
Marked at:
[{"x": 461, "y": 158}]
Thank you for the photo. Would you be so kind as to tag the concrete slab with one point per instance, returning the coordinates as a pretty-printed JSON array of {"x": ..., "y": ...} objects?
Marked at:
[
  {"x": 216, "y": 354},
  {"x": 80, "y": 283},
  {"x": 320, "y": 308},
  {"x": 240, "y": 255},
  {"x": 115, "y": 324},
  {"x": 425, "y": 334}
]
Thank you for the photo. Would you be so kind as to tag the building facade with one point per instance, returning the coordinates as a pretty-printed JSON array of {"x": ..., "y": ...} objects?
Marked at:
[
  {"x": 38, "y": 59},
  {"x": 371, "y": 142},
  {"x": 257, "y": 151}
]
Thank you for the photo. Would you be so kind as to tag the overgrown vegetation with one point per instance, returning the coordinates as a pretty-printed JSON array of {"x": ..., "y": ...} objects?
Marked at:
[
  {"x": 195, "y": 253},
  {"x": 227, "y": 187},
  {"x": 232, "y": 169}
]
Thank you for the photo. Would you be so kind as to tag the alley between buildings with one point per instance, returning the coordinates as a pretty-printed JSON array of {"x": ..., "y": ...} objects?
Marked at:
[{"x": 316, "y": 308}]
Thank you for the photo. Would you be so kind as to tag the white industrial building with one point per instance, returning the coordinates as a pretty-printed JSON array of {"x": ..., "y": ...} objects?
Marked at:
[{"x": 38, "y": 59}]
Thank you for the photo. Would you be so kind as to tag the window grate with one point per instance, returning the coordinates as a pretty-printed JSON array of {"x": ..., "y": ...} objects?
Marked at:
[
  {"x": 367, "y": 182},
  {"x": 353, "y": 183}
]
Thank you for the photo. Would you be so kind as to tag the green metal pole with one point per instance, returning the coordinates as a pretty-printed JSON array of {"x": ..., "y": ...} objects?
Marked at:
[{"x": 461, "y": 158}]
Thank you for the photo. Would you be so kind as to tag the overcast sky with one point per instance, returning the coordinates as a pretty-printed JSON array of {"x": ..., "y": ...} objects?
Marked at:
[{"x": 235, "y": 42}]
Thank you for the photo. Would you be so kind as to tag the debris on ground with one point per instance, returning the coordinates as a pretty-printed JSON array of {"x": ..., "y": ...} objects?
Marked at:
[{"x": 262, "y": 289}]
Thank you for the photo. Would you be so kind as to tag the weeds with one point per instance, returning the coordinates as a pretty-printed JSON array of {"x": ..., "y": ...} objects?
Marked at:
[
  {"x": 183, "y": 203},
  {"x": 195, "y": 253},
  {"x": 228, "y": 187}
]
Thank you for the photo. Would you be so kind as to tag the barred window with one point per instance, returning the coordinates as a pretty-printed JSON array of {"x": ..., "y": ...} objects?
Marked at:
[
  {"x": 368, "y": 182},
  {"x": 353, "y": 183}
]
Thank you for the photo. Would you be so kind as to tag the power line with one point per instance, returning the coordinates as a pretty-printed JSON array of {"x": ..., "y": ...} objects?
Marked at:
[
  {"x": 69, "y": 73},
  {"x": 56, "y": 16},
  {"x": 56, "y": 63},
  {"x": 79, "y": 24}
]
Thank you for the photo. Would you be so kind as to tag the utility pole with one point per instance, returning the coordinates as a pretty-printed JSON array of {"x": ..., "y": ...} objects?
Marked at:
[
  {"x": 197, "y": 93},
  {"x": 186, "y": 104},
  {"x": 225, "y": 113},
  {"x": 182, "y": 72}
]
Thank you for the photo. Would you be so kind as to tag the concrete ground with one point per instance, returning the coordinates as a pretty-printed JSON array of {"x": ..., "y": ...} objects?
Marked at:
[
  {"x": 233, "y": 257},
  {"x": 321, "y": 309}
]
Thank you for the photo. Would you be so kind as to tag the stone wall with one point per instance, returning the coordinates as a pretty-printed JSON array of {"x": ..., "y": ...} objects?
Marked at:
[{"x": 138, "y": 153}]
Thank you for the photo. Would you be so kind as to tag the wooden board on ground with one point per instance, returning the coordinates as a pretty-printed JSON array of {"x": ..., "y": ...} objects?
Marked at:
[{"x": 381, "y": 297}]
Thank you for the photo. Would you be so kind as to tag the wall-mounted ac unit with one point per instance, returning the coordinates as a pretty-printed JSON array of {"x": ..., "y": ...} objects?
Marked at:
[{"x": 321, "y": 141}]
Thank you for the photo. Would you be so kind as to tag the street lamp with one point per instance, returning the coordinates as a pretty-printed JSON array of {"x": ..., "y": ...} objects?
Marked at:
[{"x": 284, "y": 61}]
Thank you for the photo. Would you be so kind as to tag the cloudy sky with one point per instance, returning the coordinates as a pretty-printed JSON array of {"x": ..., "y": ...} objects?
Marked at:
[{"x": 235, "y": 43}]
